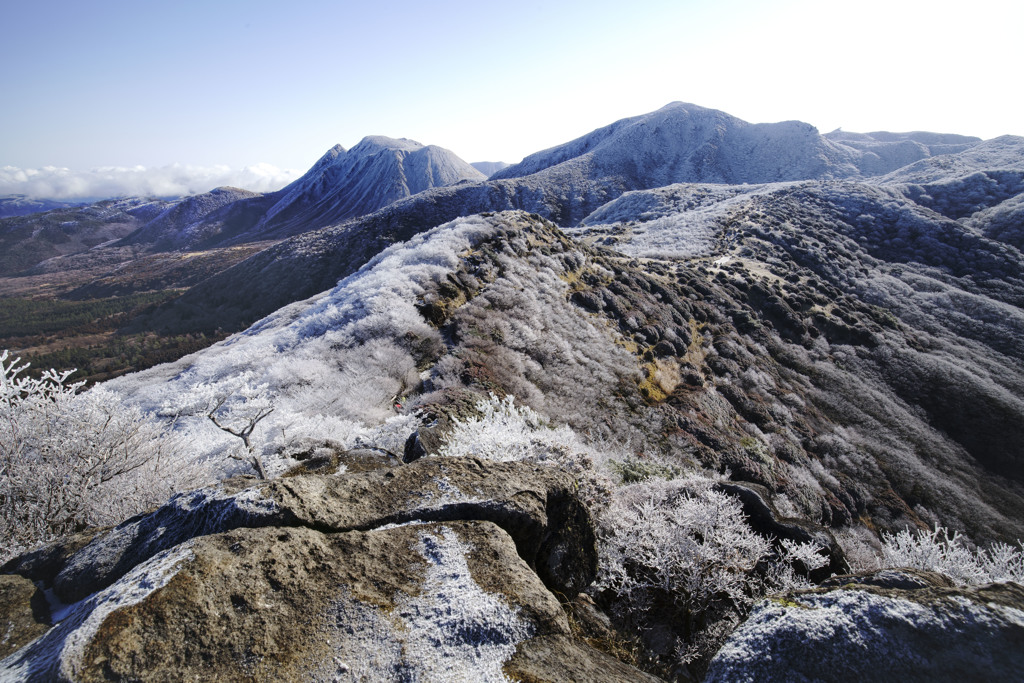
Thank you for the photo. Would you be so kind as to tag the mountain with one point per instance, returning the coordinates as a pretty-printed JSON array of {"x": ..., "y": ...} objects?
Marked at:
[
  {"x": 1003, "y": 152},
  {"x": 686, "y": 143},
  {"x": 340, "y": 185},
  {"x": 26, "y": 241},
  {"x": 566, "y": 184},
  {"x": 187, "y": 222},
  {"x": 21, "y": 205},
  {"x": 923, "y": 312},
  {"x": 847, "y": 361},
  {"x": 371, "y": 175},
  {"x": 898, "y": 279},
  {"x": 884, "y": 151}
]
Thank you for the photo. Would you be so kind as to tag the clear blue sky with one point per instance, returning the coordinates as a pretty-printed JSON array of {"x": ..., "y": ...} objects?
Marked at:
[{"x": 141, "y": 82}]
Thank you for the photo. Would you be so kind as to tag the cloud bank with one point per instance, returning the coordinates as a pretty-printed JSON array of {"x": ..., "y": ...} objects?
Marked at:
[{"x": 175, "y": 180}]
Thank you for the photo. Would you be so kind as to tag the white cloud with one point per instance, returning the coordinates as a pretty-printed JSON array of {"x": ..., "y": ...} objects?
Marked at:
[{"x": 51, "y": 182}]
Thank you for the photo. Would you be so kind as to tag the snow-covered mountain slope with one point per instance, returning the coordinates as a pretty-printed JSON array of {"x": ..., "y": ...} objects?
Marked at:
[
  {"x": 565, "y": 184},
  {"x": 883, "y": 151},
  {"x": 853, "y": 352},
  {"x": 21, "y": 205},
  {"x": 340, "y": 185},
  {"x": 27, "y": 241},
  {"x": 676, "y": 221},
  {"x": 337, "y": 362},
  {"x": 489, "y": 168},
  {"x": 185, "y": 223},
  {"x": 1005, "y": 152},
  {"x": 686, "y": 143},
  {"x": 836, "y": 358}
]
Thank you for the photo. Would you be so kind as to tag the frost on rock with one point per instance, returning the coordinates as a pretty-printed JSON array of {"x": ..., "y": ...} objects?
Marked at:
[
  {"x": 447, "y": 494},
  {"x": 186, "y": 516},
  {"x": 452, "y": 630},
  {"x": 859, "y": 635},
  {"x": 58, "y": 653}
]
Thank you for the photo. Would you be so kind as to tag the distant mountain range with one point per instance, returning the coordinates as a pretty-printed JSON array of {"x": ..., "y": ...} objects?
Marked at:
[
  {"x": 22, "y": 205},
  {"x": 678, "y": 143},
  {"x": 566, "y": 184},
  {"x": 341, "y": 185}
]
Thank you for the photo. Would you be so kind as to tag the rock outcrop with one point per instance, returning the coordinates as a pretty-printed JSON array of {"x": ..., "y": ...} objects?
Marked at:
[
  {"x": 23, "y": 613},
  {"x": 441, "y": 569},
  {"x": 864, "y": 628}
]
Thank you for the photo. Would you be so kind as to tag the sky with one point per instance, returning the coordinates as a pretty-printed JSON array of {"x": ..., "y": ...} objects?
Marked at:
[{"x": 165, "y": 97}]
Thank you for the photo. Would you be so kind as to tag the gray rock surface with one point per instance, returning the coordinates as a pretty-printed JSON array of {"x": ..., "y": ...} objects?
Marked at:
[
  {"x": 43, "y": 564},
  {"x": 869, "y": 632},
  {"x": 900, "y": 578}
]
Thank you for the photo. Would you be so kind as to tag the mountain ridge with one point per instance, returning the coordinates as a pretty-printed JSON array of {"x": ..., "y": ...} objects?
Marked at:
[{"x": 741, "y": 388}]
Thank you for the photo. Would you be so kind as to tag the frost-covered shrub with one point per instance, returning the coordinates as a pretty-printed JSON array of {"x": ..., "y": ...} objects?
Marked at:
[
  {"x": 389, "y": 436},
  {"x": 505, "y": 431},
  {"x": 941, "y": 551},
  {"x": 632, "y": 469},
  {"x": 679, "y": 564},
  {"x": 71, "y": 460},
  {"x": 344, "y": 354}
]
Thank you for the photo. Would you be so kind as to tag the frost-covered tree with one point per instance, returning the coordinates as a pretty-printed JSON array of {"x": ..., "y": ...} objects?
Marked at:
[{"x": 70, "y": 460}]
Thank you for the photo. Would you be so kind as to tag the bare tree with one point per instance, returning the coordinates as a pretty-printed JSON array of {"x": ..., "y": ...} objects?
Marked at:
[
  {"x": 235, "y": 405},
  {"x": 245, "y": 420}
]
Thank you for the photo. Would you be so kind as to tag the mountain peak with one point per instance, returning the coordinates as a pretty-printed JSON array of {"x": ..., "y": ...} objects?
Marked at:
[
  {"x": 363, "y": 179},
  {"x": 329, "y": 157},
  {"x": 372, "y": 144},
  {"x": 684, "y": 142}
]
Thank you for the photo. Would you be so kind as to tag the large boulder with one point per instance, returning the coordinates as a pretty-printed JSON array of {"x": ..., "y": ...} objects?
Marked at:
[
  {"x": 445, "y": 569},
  {"x": 864, "y": 629},
  {"x": 535, "y": 504}
]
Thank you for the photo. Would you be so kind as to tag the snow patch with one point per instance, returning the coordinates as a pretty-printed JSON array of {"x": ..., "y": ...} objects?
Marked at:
[{"x": 676, "y": 222}]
